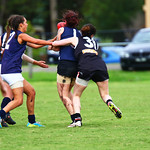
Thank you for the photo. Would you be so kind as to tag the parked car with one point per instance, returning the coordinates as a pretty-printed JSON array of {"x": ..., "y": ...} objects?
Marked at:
[
  {"x": 109, "y": 54},
  {"x": 136, "y": 55}
]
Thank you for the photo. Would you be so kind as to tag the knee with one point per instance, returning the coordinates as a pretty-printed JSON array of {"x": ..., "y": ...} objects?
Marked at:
[
  {"x": 66, "y": 100},
  {"x": 32, "y": 93},
  {"x": 20, "y": 102}
]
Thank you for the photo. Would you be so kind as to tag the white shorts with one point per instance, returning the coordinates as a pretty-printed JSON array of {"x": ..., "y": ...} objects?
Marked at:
[
  {"x": 13, "y": 79},
  {"x": 81, "y": 81}
]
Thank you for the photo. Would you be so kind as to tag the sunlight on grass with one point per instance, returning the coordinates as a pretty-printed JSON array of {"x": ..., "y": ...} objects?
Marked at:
[{"x": 100, "y": 130}]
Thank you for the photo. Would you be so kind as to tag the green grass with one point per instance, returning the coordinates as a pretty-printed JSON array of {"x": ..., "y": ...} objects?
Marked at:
[{"x": 100, "y": 130}]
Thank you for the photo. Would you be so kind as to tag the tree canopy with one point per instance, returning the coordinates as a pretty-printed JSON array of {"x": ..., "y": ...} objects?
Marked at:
[
  {"x": 108, "y": 14},
  {"x": 104, "y": 14}
]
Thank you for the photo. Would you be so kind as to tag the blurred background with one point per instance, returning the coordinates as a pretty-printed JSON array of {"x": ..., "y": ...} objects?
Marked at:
[{"x": 116, "y": 22}]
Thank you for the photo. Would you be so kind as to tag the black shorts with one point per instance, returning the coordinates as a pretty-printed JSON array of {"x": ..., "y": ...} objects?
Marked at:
[
  {"x": 96, "y": 76},
  {"x": 67, "y": 68}
]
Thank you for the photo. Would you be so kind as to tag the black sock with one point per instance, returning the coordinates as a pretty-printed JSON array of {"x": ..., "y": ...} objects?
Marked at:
[
  {"x": 5, "y": 101},
  {"x": 31, "y": 119},
  {"x": 2, "y": 114},
  {"x": 78, "y": 117},
  {"x": 8, "y": 114},
  {"x": 109, "y": 100},
  {"x": 72, "y": 117}
]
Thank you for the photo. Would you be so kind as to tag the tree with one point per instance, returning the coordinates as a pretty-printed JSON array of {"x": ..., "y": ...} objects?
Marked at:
[
  {"x": 108, "y": 14},
  {"x": 111, "y": 15},
  {"x": 104, "y": 14}
]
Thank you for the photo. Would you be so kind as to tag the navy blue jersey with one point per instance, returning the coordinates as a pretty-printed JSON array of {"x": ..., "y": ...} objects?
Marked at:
[
  {"x": 86, "y": 53},
  {"x": 67, "y": 52},
  {"x": 12, "y": 61}
]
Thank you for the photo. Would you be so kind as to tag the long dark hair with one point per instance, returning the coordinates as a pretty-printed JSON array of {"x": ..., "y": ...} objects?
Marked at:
[
  {"x": 15, "y": 23},
  {"x": 9, "y": 26},
  {"x": 12, "y": 24},
  {"x": 71, "y": 18}
]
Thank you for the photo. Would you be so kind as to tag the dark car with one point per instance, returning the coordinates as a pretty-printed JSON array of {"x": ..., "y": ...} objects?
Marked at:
[{"x": 136, "y": 55}]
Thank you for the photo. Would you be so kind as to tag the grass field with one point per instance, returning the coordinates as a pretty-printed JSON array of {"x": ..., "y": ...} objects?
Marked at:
[{"x": 100, "y": 131}]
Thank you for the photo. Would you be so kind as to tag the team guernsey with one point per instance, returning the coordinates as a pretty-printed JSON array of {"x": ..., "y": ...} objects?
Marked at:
[
  {"x": 67, "y": 52},
  {"x": 12, "y": 61},
  {"x": 86, "y": 53}
]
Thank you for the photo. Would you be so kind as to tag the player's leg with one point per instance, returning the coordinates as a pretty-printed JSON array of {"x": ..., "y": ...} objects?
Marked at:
[
  {"x": 15, "y": 82},
  {"x": 64, "y": 86},
  {"x": 65, "y": 95},
  {"x": 8, "y": 96},
  {"x": 104, "y": 93},
  {"x": 79, "y": 87},
  {"x": 30, "y": 92},
  {"x": 66, "y": 98},
  {"x": 18, "y": 100}
]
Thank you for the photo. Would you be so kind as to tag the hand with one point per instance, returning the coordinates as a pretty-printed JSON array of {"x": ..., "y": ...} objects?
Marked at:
[
  {"x": 54, "y": 39},
  {"x": 40, "y": 63},
  {"x": 50, "y": 47}
]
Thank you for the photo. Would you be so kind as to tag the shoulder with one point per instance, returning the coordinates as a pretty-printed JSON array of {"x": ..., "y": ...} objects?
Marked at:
[{"x": 60, "y": 32}]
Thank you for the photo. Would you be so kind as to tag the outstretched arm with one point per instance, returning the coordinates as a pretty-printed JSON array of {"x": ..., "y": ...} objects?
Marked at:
[
  {"x": 35, "y": 62},
  {"x": 38, "y": 46},
  {"x": 69, "y": 41},
  {"x": 23, "y": 37},
  {"x": 34, "y": 45}
]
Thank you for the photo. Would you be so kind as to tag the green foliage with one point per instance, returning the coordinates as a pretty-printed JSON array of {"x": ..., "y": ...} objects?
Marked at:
[
  {"x": 104, "y": 14},
  {"x": 108, "y": 14},
  {"x": 100, "y": 130},
  {"x": 27, "y": 8}
]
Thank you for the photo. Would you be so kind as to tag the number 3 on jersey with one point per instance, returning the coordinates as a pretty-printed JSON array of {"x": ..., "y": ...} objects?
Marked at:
[{"x": 90, "y": 43}]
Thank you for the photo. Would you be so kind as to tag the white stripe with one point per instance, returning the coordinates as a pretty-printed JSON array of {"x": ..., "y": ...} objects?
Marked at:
[{"x": 74, "y": 33}]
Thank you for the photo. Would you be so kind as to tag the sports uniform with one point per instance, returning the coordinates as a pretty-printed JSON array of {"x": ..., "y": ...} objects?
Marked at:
[
  {"x": 90, "y": 65},
  {"x": 12, "y": 61},
  {"x": 7, "y": 97},
  {"x": 67, "y": 65}
]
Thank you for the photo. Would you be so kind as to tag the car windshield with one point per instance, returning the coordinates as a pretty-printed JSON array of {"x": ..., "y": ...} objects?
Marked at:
[{"x": 142, "y": 37}]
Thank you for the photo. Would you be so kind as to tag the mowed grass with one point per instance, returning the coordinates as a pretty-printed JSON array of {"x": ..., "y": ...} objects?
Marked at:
[{"x": 101, "y": 130}]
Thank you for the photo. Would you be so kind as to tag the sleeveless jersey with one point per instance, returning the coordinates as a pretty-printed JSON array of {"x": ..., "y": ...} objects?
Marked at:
[
  {"x": 67, "y": 52},
  {"x": 86, "y": 53},
  {"x": 12, "y": 61}
]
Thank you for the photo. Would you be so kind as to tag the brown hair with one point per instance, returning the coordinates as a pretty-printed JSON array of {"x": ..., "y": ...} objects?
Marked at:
[
  {"x": 71, "y": 18},
  {"x": 13, "y": 23},
  {"x": 16, "y": 21},
  {"x": 9, "y": 26},
  {"x": 88, "y": 30}
]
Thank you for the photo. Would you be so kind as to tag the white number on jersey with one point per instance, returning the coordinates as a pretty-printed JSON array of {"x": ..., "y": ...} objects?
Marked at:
[
  {"x": 90, "y": 43},
  {"x": 4, "y": 39}
]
